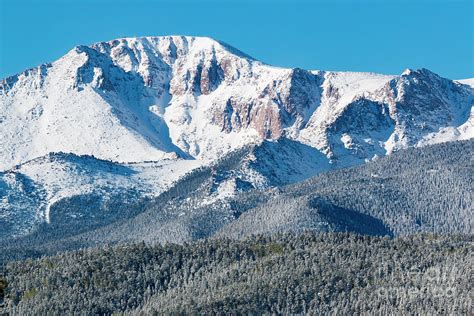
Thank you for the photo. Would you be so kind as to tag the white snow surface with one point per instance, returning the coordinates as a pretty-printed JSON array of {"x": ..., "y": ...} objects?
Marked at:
[
  {"x": 58, "y": 176},
  {"x": 157, "y": 107},
  {"x": 469, "y": 82},
  {"x": 154, "y": 98}
]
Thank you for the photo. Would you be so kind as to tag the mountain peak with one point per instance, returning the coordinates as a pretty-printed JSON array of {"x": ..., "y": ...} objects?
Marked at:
[
  {"x": 173, "y": 44},
  {"x": 407, "y": 72},
  {"x": 421, "y": 72},
  {"x": 147, "y": 98}
]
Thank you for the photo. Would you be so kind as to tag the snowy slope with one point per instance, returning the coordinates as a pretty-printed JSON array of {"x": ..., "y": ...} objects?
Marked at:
[
  {"x": 66, "y": 189},
  {"x": 262, "y": 166},
  {"x": 147, "y": 110},
  {"x": 29, "y": 192},
  {"x": 415, "y": 108},
  {"x": 152, "y": 98},
  {"x": 469, "y": 82}
]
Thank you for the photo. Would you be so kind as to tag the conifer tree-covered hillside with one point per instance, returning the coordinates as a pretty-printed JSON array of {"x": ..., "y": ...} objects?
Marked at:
[{"x": 283, "y": 274}]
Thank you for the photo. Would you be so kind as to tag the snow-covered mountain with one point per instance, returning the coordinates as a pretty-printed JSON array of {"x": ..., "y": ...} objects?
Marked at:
[
  {"x": 39, "y": 190},
  {"x": 153, "y": 108},
  {"x": 152, "y": 98},
  {"x": 65, "y": 188}
]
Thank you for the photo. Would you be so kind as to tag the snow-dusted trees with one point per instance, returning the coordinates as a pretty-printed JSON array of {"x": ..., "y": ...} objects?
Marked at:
[
  {"x": 417, "y": 190},
  {"x": 306, "y": 273}
]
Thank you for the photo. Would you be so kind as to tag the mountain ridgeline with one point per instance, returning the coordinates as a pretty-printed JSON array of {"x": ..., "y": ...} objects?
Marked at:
[
  {"x": 106, "y": 127},
  {"x": 150, "y": 98},
  {"x": 178, "y": 175},
  {"x": 418, "y": 190}
]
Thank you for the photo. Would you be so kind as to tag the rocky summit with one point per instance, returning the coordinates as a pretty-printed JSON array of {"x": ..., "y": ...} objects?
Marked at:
[{"x": 132, "y": 116}]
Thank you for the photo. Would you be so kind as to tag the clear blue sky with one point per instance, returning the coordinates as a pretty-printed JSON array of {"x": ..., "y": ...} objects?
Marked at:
[{"x": 369, "y": 35}]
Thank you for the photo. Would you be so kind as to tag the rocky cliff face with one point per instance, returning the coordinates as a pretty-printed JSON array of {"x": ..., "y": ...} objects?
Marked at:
[
  {"x": 153, "y": 98},
  {"x": 111, "y": 123}
]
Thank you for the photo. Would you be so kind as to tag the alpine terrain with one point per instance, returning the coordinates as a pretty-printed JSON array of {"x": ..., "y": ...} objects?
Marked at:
[
  {"x": 102, "y": 135},
  {"x": 178, "y": 175}
]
